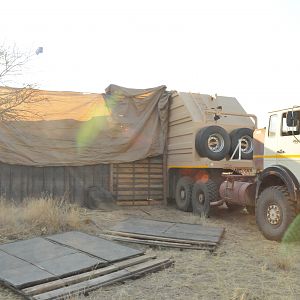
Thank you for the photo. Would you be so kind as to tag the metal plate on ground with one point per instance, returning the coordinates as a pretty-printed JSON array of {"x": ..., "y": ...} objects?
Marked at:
[
  {"x": 18, "y": 273},
  {"x": 99, "y": 247},
  {"x": 39, "y": 260},
  {"x": 36, "y": 250},
  {"x": 172, "y": 230}
]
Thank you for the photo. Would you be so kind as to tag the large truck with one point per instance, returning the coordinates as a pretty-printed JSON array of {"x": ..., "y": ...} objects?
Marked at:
[{"x": 213, "y": 158}]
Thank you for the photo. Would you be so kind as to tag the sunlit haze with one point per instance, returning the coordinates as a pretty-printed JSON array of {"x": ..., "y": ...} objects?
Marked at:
[{"x": 246, "y": 49}]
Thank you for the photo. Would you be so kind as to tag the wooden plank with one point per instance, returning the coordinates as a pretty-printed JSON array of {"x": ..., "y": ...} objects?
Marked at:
[
  {"x": 24, "y": 186},
  {"x": 37, "y": 181},
  {"x": 46, "y": 287},
  {"x": 16, "y": 183},
  {"x": 111, "y": 178},
  {"x": 130, "y": 197},
  {"x": 159, "y": 238},
  {"x": 5, "y": 181},
  {"x": 137, "y": 181},
  {"x": 204, "y": 246},
  {"x": 49, "y": 180},
  {"x": 59, "y": 181},
  {"x": 177, "y": 236},
  {"x": 95, "y": 283},
  {"x": 78, "y": 184},
  {"x": 139, "y": 173},
  {"x": 148, "y": 226},
  {"x": 138, "y": 192},
  {"x": 138, "y": 202},
  {"x": 141, "y": 176},
  {"x": 139, "y": 186}
]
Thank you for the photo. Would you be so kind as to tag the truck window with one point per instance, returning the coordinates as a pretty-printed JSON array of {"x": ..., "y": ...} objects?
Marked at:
[
  {"x": 285, "y": 130},
  {"x": 272, "y": 126}
]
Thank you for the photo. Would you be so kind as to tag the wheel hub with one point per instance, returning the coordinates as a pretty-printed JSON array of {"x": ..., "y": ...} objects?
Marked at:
[
  {"x": 201, "y": 198},
  {"x": 246, "y": 144},
  {"x": 216, "y": 142},
  {"x": 273, "y": 214},
  {"x": 182, "y": 194}
]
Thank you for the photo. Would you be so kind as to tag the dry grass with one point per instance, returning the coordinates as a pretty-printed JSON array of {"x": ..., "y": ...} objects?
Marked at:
[
  {"x": 36, "y": 217},
  {"x": 245, "y": 266}
]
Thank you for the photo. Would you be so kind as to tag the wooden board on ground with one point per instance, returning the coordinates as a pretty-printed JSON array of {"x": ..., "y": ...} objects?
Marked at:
[
  {"x": 70, "y": 263},
  {"x": 167, "y": 234}
]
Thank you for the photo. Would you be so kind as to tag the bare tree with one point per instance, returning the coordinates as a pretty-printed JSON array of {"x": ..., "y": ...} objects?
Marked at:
[{"x": 15, "y": 103}]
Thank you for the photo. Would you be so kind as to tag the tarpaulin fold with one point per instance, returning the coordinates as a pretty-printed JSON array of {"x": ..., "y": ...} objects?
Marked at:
[{"x": 75, "y": 129}]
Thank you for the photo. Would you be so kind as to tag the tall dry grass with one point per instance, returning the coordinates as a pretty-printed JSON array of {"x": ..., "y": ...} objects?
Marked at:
[{"x": 37, "y": 217}]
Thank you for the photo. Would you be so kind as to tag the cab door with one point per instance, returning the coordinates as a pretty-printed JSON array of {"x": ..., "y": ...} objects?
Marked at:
[
  {"x": 288, "y": 146},
  {"x": 270, "y": 151}
]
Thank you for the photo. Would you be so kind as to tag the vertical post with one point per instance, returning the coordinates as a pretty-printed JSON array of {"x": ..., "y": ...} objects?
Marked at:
[
  {"x": 111, "y": 178},
  {"x": 165, "y": 178}
]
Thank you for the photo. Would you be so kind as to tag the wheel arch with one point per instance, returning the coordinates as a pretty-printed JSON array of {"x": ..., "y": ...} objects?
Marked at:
[{"x": 279, "y": 175}]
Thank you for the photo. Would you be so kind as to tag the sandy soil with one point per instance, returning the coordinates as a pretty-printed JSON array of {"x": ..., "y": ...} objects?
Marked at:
[{"x": 245, "y": 266}]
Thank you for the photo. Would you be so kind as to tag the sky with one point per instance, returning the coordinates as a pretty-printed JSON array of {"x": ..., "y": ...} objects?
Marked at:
[{"x": 246, "y": 49}]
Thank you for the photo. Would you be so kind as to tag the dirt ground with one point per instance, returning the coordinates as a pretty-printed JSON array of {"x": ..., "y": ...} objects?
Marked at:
[{"x": 245, "y": 265}]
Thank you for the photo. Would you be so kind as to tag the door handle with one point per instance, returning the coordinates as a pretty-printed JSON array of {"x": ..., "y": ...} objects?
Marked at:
[{"x": 280, "y": 151}]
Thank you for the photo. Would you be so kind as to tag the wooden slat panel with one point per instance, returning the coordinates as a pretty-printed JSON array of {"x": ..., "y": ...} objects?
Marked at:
[
  {"x": 20, "y": 182},
  {"x": 37, "y": 181},
  {"x": 49, "y": 180},
  {"x": 139, "y": 180},
  {"x": 158, "y": 176},
  {"x": 16, "y": 184},
  {"x": 137, "y": 198}
]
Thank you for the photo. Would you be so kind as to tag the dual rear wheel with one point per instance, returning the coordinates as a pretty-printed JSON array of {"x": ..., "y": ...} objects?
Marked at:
[
  {"x": 275, "y": 210},
  {"x": 195, "y": 196}
]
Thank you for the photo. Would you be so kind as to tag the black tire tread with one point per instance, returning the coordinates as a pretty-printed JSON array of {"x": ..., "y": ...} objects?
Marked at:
[
  {"x": 234, "y": 136},
  {"x": 201, "y": 142},
  {"x": 212, "y": 194},
  {"x": 292, "y": 205},
  {"x": 188, "y": 181},
  {"x": 212, "y": 190}
]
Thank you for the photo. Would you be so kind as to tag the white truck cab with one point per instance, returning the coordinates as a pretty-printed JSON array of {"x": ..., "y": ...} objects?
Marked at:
[
  {"x": 277, "y": 189},
  {"x": 282, "y": 142}
]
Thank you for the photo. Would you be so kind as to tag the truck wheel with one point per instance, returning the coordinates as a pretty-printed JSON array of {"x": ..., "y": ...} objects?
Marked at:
[
  {"x": 203, "y": 193},
  {"x": 213, "y": 142},
  {"x": 274, "y": 212},
  {"x": 183, "y": 193},
  {"x": 246, "y": 136}
]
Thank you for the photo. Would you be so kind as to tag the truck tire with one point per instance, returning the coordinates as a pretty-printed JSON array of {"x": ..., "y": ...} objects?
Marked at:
[
  {"x": 183, "y": 193},
  {"x": 246, "y": 135},
  {"x": 213, "y": 142},
  {"x": 275, "y": 211},
  {"x": 203, "y": 193}
]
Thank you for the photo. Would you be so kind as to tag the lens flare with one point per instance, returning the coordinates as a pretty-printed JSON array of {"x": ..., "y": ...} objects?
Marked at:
[{"x": 97, "y": 121}]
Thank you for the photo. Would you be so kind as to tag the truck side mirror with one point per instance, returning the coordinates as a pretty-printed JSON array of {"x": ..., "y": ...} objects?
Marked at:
[{"x": 292, "y": 118}]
